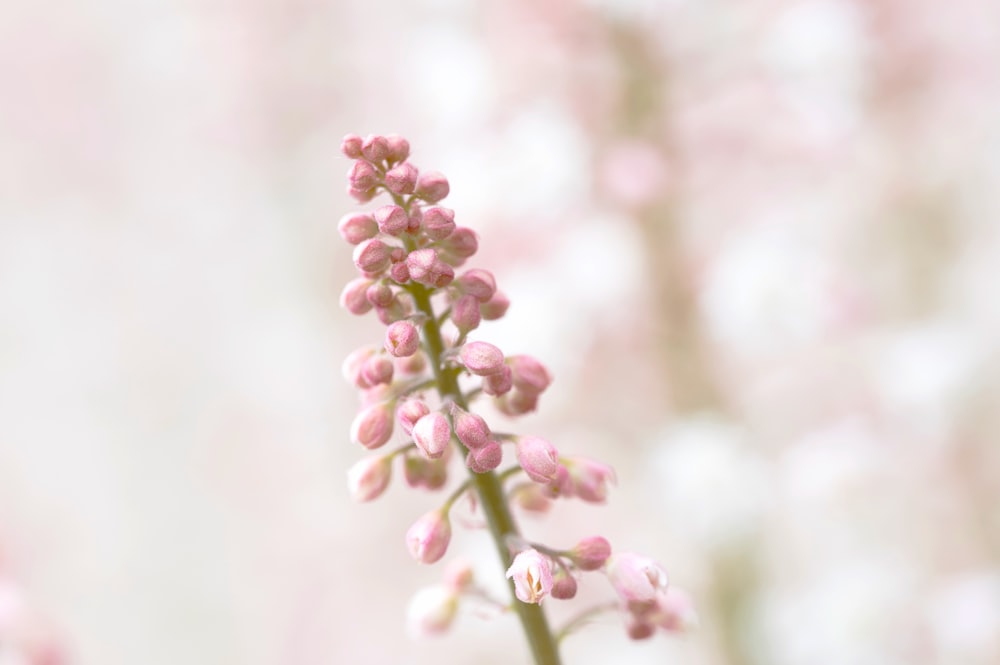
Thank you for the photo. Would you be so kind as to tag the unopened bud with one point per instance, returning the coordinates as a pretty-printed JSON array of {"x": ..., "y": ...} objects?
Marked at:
[
  {"x": 438, "y": 223},
  {"x": 482, "y": 358},
  {"x": 392, "y": 219},
  {"x": 354, "y": 296},
  {"x": 432, "y": 433},
  {"x": 409, "y": 412},
  {"x": 485, "y": 459},
  {"x": 375, "y": 148},
  {"x": 351, "y": 146},
  {"x": 499, "y": 383},
  {"x": 478, "y": 283},
  {"x": 356, "y": 227},
  {"x": 530, "y": 375},
  {"x": 432, "y": 186},
  {"x": 372, "y": 256},
  {"x": 402, "y": 339},
  {"x": 376, "y": 370},
  {"x": 401, "y": 179},
  {"x": 563, "y": 585},
  {"x": 465, "y": 314},
  {"x": 591, "y": 553},
  {"x": 471, "y": 429},
  {"x": 428, "y": 538},
  {"x": 372, "y": 427},
  {"x": 368, "y": 478},
  {"x": 496, "y": 307},
  {"x": 399, "y": 148},
  {"x": 538, "y": 458},
  {"x": 362, "y": 176}
]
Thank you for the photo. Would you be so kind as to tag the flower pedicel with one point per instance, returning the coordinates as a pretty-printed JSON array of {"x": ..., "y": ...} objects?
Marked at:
[{"x": 422, "y": 381}]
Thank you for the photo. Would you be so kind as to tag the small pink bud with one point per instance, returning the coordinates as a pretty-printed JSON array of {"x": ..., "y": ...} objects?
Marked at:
[
  {"x": 362, "y": 176},
  {"x": 402, "y": 339},
  {"x": 368, "y": 478},
  {"x": 426, "y": 268},
  {"x": 362, "y": 195},
  {"x": 590, "y": 478},
  {"x": 496, "y": 307},
  {"x": 478, "y": 283},
  {"x": 482, "y": 358},
  {"x": 485, "y": 459},
  {"x": 400, "y": 273},
  {"x": 432, "y": 186},
  {"x": 563, "y": 585},
  {"x": 561, "y": 485},
  {"x": 375, "y": 148},
  {"x": 357, "y": 226},
  {"x": 431, "y": 611},
  {"x": 591, "y": 553},
  {"x": 530, "y": 376},
  {"x": 353, "y": 298},
  {"x": 409, "y": 412},
  {"x": 459, "y": 575},
  {"x": 499, "y": 383},
  {"x": 465, "y": 314},
  {"x": 379, "y": 294},
  {"x": 438, "y": 223},
  {"x": 401, "y": 179},
  {"x": 372, "y": 256},
  {"x": 429, "y": 536},
  {"x": 391, "y": 219},
  {"x": 532, "y": 576},
  {"x": 351, "y": 146},
  {"x": 517, "y": 403},
  {"x": 432, "y": 433},
  {"x": 399, "y": 148},
  {"x": 351, "y": 368},
  {"x": 470, "y": 428},
  {"x": 636, "y": 578},
  {"x": 372, "y": 427},
  {"x": 462, "y": 242},
  {"x": 538, "y": 458},
  {"x": 376, "y": 370}
]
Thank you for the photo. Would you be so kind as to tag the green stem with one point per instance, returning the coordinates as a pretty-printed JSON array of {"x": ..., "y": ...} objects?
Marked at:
[{"x": 491, "y": 497}]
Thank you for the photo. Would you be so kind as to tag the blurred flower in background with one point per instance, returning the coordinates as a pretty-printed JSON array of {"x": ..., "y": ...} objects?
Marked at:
[{"x": 756, "y": 242}]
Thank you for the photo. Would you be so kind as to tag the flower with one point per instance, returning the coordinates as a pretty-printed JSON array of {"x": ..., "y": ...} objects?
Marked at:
[{"x": 531, "y": 572}]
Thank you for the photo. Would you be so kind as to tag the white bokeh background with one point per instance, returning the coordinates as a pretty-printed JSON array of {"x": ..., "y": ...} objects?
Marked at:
[{"x": 756, "y": 242}]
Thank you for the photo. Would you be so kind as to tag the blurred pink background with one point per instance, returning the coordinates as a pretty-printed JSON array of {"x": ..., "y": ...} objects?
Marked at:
[{"x": 756, "y": 242}]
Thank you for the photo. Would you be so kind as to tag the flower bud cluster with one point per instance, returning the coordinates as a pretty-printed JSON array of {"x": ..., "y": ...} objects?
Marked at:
[{"x": 419, "y": 383}]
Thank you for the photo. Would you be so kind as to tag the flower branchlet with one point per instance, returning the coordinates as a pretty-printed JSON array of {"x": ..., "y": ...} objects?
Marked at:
[{"x": 420, "y": 383}]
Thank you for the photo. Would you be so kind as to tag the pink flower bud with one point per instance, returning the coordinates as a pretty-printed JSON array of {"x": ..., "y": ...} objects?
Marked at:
[
  {"x": 369, "y": 477},
  {"x": 426, "y": 268},
  {"x": 353, "y": 363},
  {"x": 400, "y": 273},
  {"x": 591, "y": 553},
  {"x": 429, "y": 536},
  {"x": 375, "y": 148},
  {"x": 530, "y": 376},
  {"x": 357, "y": 226},
  {"x": 538, "y": 458},
  {"x": 391, "y": 219},
  {"x": 431, "y": 611},
  {"x": 532, "y": 575},
  {"x": 402, "y": 339},
  {"x": 478, "y": 283},
  {"x": 563, "y": 585},
  {"x": 376, "y": 370},
  {"x": 590, "y": 478},
  {"x": 482, "y": 358},
  {"x": 399, "y": 148},
  {"x": 496, "y": 307},
  {"x": 351, "y": 146},
  {"x": 635, "y": 578},
  {"x": 561, "y": 485},
  {"x": 432, "y": 186},
  {"x": 362, "y": 195},
  {"x": 372, "y": 256},
  {"x": 401, "y": 179},
  {"x": 353, "y": 298},
  {"x": 517, "y": 403},
  {"x": 465, "y": 314},
  {"x": 463, "y": 242},
  {"x": 432, "y": 433},
  {"x": 499, "y": 383},
  {"x": 485, "y": 459},
  {"x": 409, "y": 412},
  {"x": 362, "y": 176},
  {"x": 372, "y": 427},
  {"x": 470, "y": 428},
  {"x": 438, "y": 223},
  {"x": 379, "y": 294}
]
